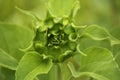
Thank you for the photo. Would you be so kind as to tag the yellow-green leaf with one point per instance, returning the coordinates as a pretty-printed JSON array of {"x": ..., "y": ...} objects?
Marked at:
[
  {"x": 14, "y": 38},
  {"x": 61, "y": 8},
  {"x": 31, "y": 65},
  {"x": 7, "y": 61}
]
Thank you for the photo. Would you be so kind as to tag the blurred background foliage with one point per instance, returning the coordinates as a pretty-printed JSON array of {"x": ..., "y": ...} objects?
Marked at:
[{"x": 105, "y": 13}]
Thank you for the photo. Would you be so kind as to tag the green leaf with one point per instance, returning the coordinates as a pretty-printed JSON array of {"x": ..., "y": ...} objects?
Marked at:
[
  {"x": 23, "y": 4},
  {"x": 54, "y": 70},
  {"x": 19, "y": 17},
  {"x": 6, "y": 8},
  {"x": 65, "y": 72},
  {"x": 115, "y": 31},
  {"x": 1, "y": 75},
  {"x": 116, "y": 53},
  {"x": 35, "y": 7},
  {"x": 14, "y": 38},
  {"x": 87, "y": 42},
  {"x": 59, "y": 8},
  {"x": 98, "y": 33},
  {"x": 23, "y": 15},
  {"x": 7, "y": 61},
  {"x": 31, "y": 65},
  {"x": 7, "y": 74},
  {"x": 58, "y": 72},
  {"x": 99, "y": 61},
  {"x": 81, "y": 74},
  {"x": 118, "y": 58},
  {"x": 52, "y": 74}
]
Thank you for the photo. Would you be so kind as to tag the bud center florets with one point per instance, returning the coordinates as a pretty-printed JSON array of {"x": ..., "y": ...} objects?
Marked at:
[{"x": 55, "y": 39}]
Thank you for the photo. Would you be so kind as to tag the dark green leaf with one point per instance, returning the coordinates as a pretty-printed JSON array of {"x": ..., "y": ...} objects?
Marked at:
[{"x": 7, "y": 74}]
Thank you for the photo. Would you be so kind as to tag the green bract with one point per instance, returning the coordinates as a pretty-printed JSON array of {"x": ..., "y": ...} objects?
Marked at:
[{"x": 54, "y": 48}]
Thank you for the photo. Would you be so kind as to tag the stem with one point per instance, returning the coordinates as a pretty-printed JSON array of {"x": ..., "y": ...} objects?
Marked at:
[
  {"x": 55, "y": 72},
  {"x": 59, "y": 75}
]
